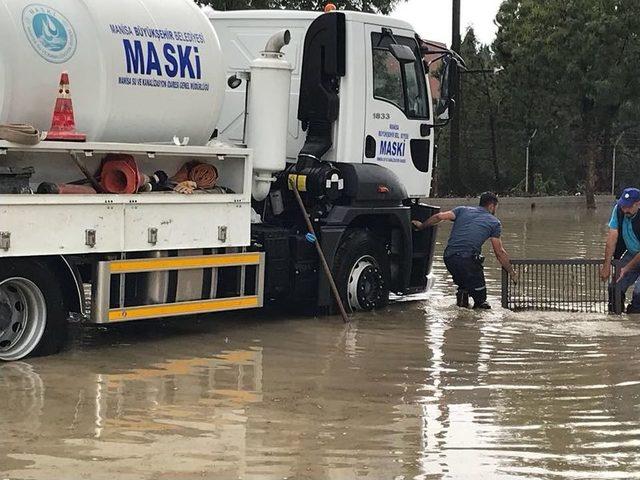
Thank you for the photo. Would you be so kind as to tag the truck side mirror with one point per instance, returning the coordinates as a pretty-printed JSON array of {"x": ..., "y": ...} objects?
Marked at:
[
  {"x": 447, "y": 85},
  {"x": 402, "y": 53}
]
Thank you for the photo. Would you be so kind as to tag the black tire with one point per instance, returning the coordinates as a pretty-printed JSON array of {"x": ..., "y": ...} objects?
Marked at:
[
  {"x": 36, "y": 276},
  {"x": 357, "y": 246}
]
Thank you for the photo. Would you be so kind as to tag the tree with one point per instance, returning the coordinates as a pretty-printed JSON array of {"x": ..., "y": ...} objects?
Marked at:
[
  {"x": 572, "y": 62},
  {"x": 371, "y": 6},
  {"x": 481, "y": 114},
  {"x": 478, "y": 104}
]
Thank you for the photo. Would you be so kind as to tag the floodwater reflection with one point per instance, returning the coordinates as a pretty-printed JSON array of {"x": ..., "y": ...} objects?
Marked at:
[{"x": 421, "y": 390}]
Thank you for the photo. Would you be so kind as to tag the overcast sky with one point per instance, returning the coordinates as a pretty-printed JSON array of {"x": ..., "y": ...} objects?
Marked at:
[{"x": 432, "y": 18}]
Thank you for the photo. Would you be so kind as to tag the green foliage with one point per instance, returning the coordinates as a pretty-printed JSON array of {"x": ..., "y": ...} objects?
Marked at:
[
  {"x": 371, "y": 6},
  {"x": 479, "y": 106},
  {"x": 571, "y": 72},
  {"x": 570, "y": 68}
]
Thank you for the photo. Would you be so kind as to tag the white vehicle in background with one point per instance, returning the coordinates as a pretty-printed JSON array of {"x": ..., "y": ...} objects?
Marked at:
[{"x": 335, "y": 105}]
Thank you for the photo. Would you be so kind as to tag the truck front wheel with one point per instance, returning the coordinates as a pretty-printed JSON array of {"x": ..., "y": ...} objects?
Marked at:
[
  {"x": 32, "y": 314},
  {"x": 362, "y": 272}
]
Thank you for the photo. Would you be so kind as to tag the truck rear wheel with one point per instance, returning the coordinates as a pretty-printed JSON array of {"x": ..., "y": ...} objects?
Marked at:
[
  {"x": 362, "y": 272},
  {"x": 32, "y": 314}
]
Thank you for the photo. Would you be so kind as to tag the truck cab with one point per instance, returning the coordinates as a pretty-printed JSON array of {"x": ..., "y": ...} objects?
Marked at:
[
  {"x": 385, "y": 105},
  {"x": 361, "y": 104}
]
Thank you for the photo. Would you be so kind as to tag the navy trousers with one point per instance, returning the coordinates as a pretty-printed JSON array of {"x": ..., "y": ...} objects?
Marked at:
[{"x": 468, "y": 274}]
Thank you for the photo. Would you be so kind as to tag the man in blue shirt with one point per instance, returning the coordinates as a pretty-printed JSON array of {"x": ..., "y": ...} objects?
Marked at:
[
  {"x": 623, "y": 242},
  {"x": 472, "y": 226}
]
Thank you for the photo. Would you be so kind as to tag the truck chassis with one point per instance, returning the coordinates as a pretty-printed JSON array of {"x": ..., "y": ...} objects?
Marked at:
[{"x": 145, "y": 256}]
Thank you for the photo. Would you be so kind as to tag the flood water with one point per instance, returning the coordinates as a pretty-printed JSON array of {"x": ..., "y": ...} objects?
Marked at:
[{"x": 420, "y": 390}]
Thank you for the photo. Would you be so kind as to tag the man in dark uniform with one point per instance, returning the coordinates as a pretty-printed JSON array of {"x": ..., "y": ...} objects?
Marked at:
[
  {"x": 472, "y": 227},
  {"x": 623, "y": 242}
]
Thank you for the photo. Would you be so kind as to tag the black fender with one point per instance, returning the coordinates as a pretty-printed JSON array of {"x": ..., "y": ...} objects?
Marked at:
[
  {"x": 63, "y": 271},
  {"x": 342, "y": 218},
  {"x": 372, "y": 185},
  {"x": 67, "y": 274}
]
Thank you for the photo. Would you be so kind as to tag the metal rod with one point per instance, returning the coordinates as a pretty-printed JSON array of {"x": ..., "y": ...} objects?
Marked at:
[
  {"x": 456, "y": 108},
  {"x": 85, "y": 171},
  {"x": 532, "y": 287},
  {"x": 616, "y": 288},
  {"x": 505, "y": 289},
  {"x": 552, "y": 292},
  {"x": 122, "y": 291},
  {"x": 214, "y": 283},
  {"x": 577, "y": 284},
  {"x": 528, "y": 295},
  {"x": 323, "y": 260},
  {"x": 563, "y": 284},
  {"x": 520, "y": 286},
  {"x": 547, "y": 278},
  {"x": 588, "y": 285},
  {"x": 243, "y": 280},
  {"x": 536, "y": 286},
  {"x": 571, "y": 288},
  {"x": 555, "y": 292}
]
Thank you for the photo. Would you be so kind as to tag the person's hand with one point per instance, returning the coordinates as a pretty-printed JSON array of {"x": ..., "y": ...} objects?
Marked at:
[
  {"x": 605, "y": 272},
  {"x": 417, "y": 224},
  {"x": 514, "y": 276},
  {"x": 621, "y": 273}
]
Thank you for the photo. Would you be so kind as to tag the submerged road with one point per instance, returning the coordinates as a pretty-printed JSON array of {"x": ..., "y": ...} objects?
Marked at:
[{"x": 420, "y": 390}]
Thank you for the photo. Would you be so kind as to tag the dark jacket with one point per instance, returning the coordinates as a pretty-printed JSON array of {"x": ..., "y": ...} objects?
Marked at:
[{"x": 621, "y": 247}]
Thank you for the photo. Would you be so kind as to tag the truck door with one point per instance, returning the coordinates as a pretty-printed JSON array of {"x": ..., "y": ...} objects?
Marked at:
[{"x": 397, "y": 131}]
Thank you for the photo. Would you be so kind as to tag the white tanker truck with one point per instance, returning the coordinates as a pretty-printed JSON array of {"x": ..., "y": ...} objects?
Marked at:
[{"x": 236, "y": 108}]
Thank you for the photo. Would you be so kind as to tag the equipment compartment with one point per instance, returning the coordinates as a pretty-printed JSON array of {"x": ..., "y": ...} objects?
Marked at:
[{"x": 49, "y": 224}]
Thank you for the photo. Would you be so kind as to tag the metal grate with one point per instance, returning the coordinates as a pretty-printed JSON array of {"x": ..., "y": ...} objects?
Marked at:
[{"x": 557, "y": 285}]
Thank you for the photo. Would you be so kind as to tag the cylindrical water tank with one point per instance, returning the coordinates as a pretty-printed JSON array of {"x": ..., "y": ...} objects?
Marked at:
[
  {"x": 140, "y": 70},
  {"x": 268, "y": 113}
]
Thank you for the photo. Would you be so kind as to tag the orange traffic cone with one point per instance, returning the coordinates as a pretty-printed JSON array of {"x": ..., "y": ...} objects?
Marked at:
[{"x": 63, "y": 124}]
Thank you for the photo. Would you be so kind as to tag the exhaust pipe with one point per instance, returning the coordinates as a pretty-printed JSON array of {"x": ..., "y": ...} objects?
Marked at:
[
  {"x": 277, "y": 42},
  {"x": 268, "y": 119}
]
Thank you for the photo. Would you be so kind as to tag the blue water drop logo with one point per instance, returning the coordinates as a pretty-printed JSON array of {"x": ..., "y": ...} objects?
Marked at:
[{"x": 50, "y": 33}]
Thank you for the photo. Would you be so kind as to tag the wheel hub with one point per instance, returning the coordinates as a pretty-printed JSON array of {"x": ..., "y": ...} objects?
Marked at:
[
  {"x": 22, "y": 317},
  {"x": 365, "y": 284}
]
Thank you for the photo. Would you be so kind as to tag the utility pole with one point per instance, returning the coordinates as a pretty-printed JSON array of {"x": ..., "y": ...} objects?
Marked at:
[
  {"x": 613, "y": 167},
  {"x": 454, "y": 145},
  {"x": 526, "y": 178}
]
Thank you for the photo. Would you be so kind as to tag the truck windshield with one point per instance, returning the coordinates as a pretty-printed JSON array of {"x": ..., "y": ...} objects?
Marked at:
[{"x": 402, "y": 85}]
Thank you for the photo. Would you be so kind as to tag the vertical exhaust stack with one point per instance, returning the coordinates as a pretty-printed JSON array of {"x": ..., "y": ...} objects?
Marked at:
[
  {"x": 323, "y": 65},
  {"x": 268, "y": 113}
]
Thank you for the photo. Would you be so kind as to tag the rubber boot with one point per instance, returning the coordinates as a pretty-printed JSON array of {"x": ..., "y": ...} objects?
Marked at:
[
  {"x": 634, "y": 306},
  {"x": 482, "y": 306},
  {"x": 462, "y": 298}
]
